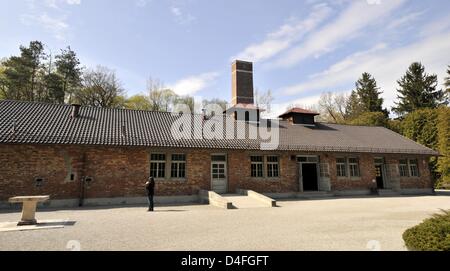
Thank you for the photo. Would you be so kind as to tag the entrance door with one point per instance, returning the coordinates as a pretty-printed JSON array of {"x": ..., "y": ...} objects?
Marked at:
[
  {"x": 309, "y": 173},
  {"x": 219, "y": 181},
  {"x": 379, "y": 176}
]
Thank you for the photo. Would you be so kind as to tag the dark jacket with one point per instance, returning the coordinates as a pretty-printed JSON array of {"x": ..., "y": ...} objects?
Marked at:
[{"x": 150, "y": 187}]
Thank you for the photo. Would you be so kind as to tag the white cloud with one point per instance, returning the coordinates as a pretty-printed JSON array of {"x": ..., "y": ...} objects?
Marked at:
[
  {"x": 57, "y": 26},
  {"x": 55, "y": 3},
  {"x": 385, "y": 64},
  {"x": 346, "y": 27},
  {"x": 283, "y": 38},
  {"x": 142, "y": 3},
  {"x": 193, "y": 84},
  {"x": 405, "y": 19},
  {"x": 180, "y": 14}
]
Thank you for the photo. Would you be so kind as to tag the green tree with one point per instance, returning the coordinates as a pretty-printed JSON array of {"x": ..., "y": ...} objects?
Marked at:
[
  {"x": 369, "y": 94},
  {"x": 431, "y": 127},
  {"x": 138, "y": 102},
  {"x": 443, "y": 127},
  {"x": 370, "y": 119},
  {"x": 353, "y": 107},
  {"x": 21, "y": 73},
  {"x": 447, "y": 86},
  {"x": 68, "y": 67},
  {"x": 3, "y": 82},
  {"x": 100, "y": 88},
  {"x": 161, "y": 98},
  {"x": 54, "y": 88},
  {"x": 333, "y": 107},
  {"x": 187, "y": 100},
  {"x": 417, "y": 90}
]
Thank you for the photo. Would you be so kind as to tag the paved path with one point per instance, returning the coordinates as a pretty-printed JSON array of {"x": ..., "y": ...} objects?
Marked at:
[{"x": 331, "y": 224}]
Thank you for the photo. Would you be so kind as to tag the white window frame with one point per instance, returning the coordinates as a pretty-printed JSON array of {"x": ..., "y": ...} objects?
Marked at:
[
  {"x": 257, "y": 164},
  {"x": 353, "y": 164},
  {"x": 338, "y": 164},
  {"x": 158, "y": 165},
  {"x": 178, "y": 163},
  {"x": 413, "y": 162},
  {"x": 270, "y": 164}
]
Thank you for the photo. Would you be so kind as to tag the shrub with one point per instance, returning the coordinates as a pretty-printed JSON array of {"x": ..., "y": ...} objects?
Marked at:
[{"x": 432, "y": 235}]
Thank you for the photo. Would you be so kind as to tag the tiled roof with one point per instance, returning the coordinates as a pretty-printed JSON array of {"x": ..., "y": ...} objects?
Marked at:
[{"x": 42, "y": 123}]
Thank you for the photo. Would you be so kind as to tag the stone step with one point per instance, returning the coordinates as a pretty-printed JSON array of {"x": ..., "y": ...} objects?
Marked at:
[{"x": 313, "y": 194}]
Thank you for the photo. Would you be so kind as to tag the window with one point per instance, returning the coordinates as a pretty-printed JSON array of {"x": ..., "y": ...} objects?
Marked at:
[
  {"x": 178, "y": 166},
  {"x": 353, "y": 165},
  {"x": 158, "y": 165},
  {"x": 218, "y": 158},
  {"x": 257, "y": 166},
  {"x": 272, "y": 167},
  {"x": 413, "y": 168},
  {"x": 219, "y": 171},
  {"x": 379, "y": 161},
  {"x": 341, "y": 167},
  {"x": 403, "y": 168}
]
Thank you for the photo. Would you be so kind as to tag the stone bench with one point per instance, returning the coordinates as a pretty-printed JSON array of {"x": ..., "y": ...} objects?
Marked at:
[{"x": 29, "y": 204}]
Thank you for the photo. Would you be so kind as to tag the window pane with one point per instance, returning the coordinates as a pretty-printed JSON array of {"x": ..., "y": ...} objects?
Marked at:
[
  {"x": 161, "y": 171},
  {"x": 272, "y": 158},
  {"x": 182, "y": 170},
  {"x": 256, "y": 158},
  {"x": 174, "y": 171},
  {"x": 219, "y": 158},
  {"x": 158, "y": 157},
  {"x": 275, "y": 171},
  {"x": 178, "y": 157},
  {"x": 312, "y": 159},
  {"x": 302, "y": 159},
  {"x": 403, "y": 170},
  {"x": 260, "y": 170},
  {"x": 353, "y": 160},
  {"x": 341, "y": 172},
  {"x": 340, "y": 160}
]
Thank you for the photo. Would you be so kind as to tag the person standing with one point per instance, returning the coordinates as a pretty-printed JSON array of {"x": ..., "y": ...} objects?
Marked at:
[{"x": 150, "y": 187}]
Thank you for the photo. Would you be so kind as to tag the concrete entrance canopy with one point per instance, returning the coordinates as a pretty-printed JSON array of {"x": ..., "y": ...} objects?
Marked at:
[{"x": 29, "y": 208}]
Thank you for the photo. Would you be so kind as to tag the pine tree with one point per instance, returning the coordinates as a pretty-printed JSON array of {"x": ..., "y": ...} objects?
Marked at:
[
  {"x": 68, "y": 67},
  {"x": 417, "y": 90},
  {"x": 353, "y": 107},
  {"x": 447, "y": 86},
  {"x": 369, "y": 94}
]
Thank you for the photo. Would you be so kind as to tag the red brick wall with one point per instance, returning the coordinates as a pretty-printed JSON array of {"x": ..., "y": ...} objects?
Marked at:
[
  {"x": 240, "y": 175},
  {"x": 122, "y": 172}
]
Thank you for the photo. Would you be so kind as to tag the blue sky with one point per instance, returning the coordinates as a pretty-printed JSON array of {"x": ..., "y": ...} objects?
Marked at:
[{"x": 300, "y": 48}]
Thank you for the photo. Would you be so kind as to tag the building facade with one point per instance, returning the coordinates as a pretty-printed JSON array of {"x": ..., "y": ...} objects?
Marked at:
[{"x": 92, "y": 155}]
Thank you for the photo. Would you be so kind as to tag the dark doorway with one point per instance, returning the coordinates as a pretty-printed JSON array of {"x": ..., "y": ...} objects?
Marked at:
[
  {"x": 309, "y": 172},
  {"x": 379, "y": 176}
]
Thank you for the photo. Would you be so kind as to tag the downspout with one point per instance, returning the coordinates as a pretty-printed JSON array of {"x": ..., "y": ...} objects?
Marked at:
[{"x": 82, "y": 182}]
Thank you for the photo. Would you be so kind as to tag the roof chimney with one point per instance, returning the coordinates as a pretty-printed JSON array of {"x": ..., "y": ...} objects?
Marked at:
[
  {"x": 75, "y": 111},
  {"x": 242, "y": 82}
]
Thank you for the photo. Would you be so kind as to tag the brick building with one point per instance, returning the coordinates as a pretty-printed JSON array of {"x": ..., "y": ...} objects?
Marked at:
[{"x": 97, "y": 155}]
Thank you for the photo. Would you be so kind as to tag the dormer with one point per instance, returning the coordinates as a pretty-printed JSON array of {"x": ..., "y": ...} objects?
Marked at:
[{"x": 298, "y": 115}]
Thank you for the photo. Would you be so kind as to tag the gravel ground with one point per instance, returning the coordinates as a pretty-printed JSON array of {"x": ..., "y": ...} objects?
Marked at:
[{"x": 329, "y": 224}]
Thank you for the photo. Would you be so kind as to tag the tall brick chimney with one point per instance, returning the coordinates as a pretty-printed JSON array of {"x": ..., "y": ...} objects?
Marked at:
[{"x": 242, "y": 83}]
